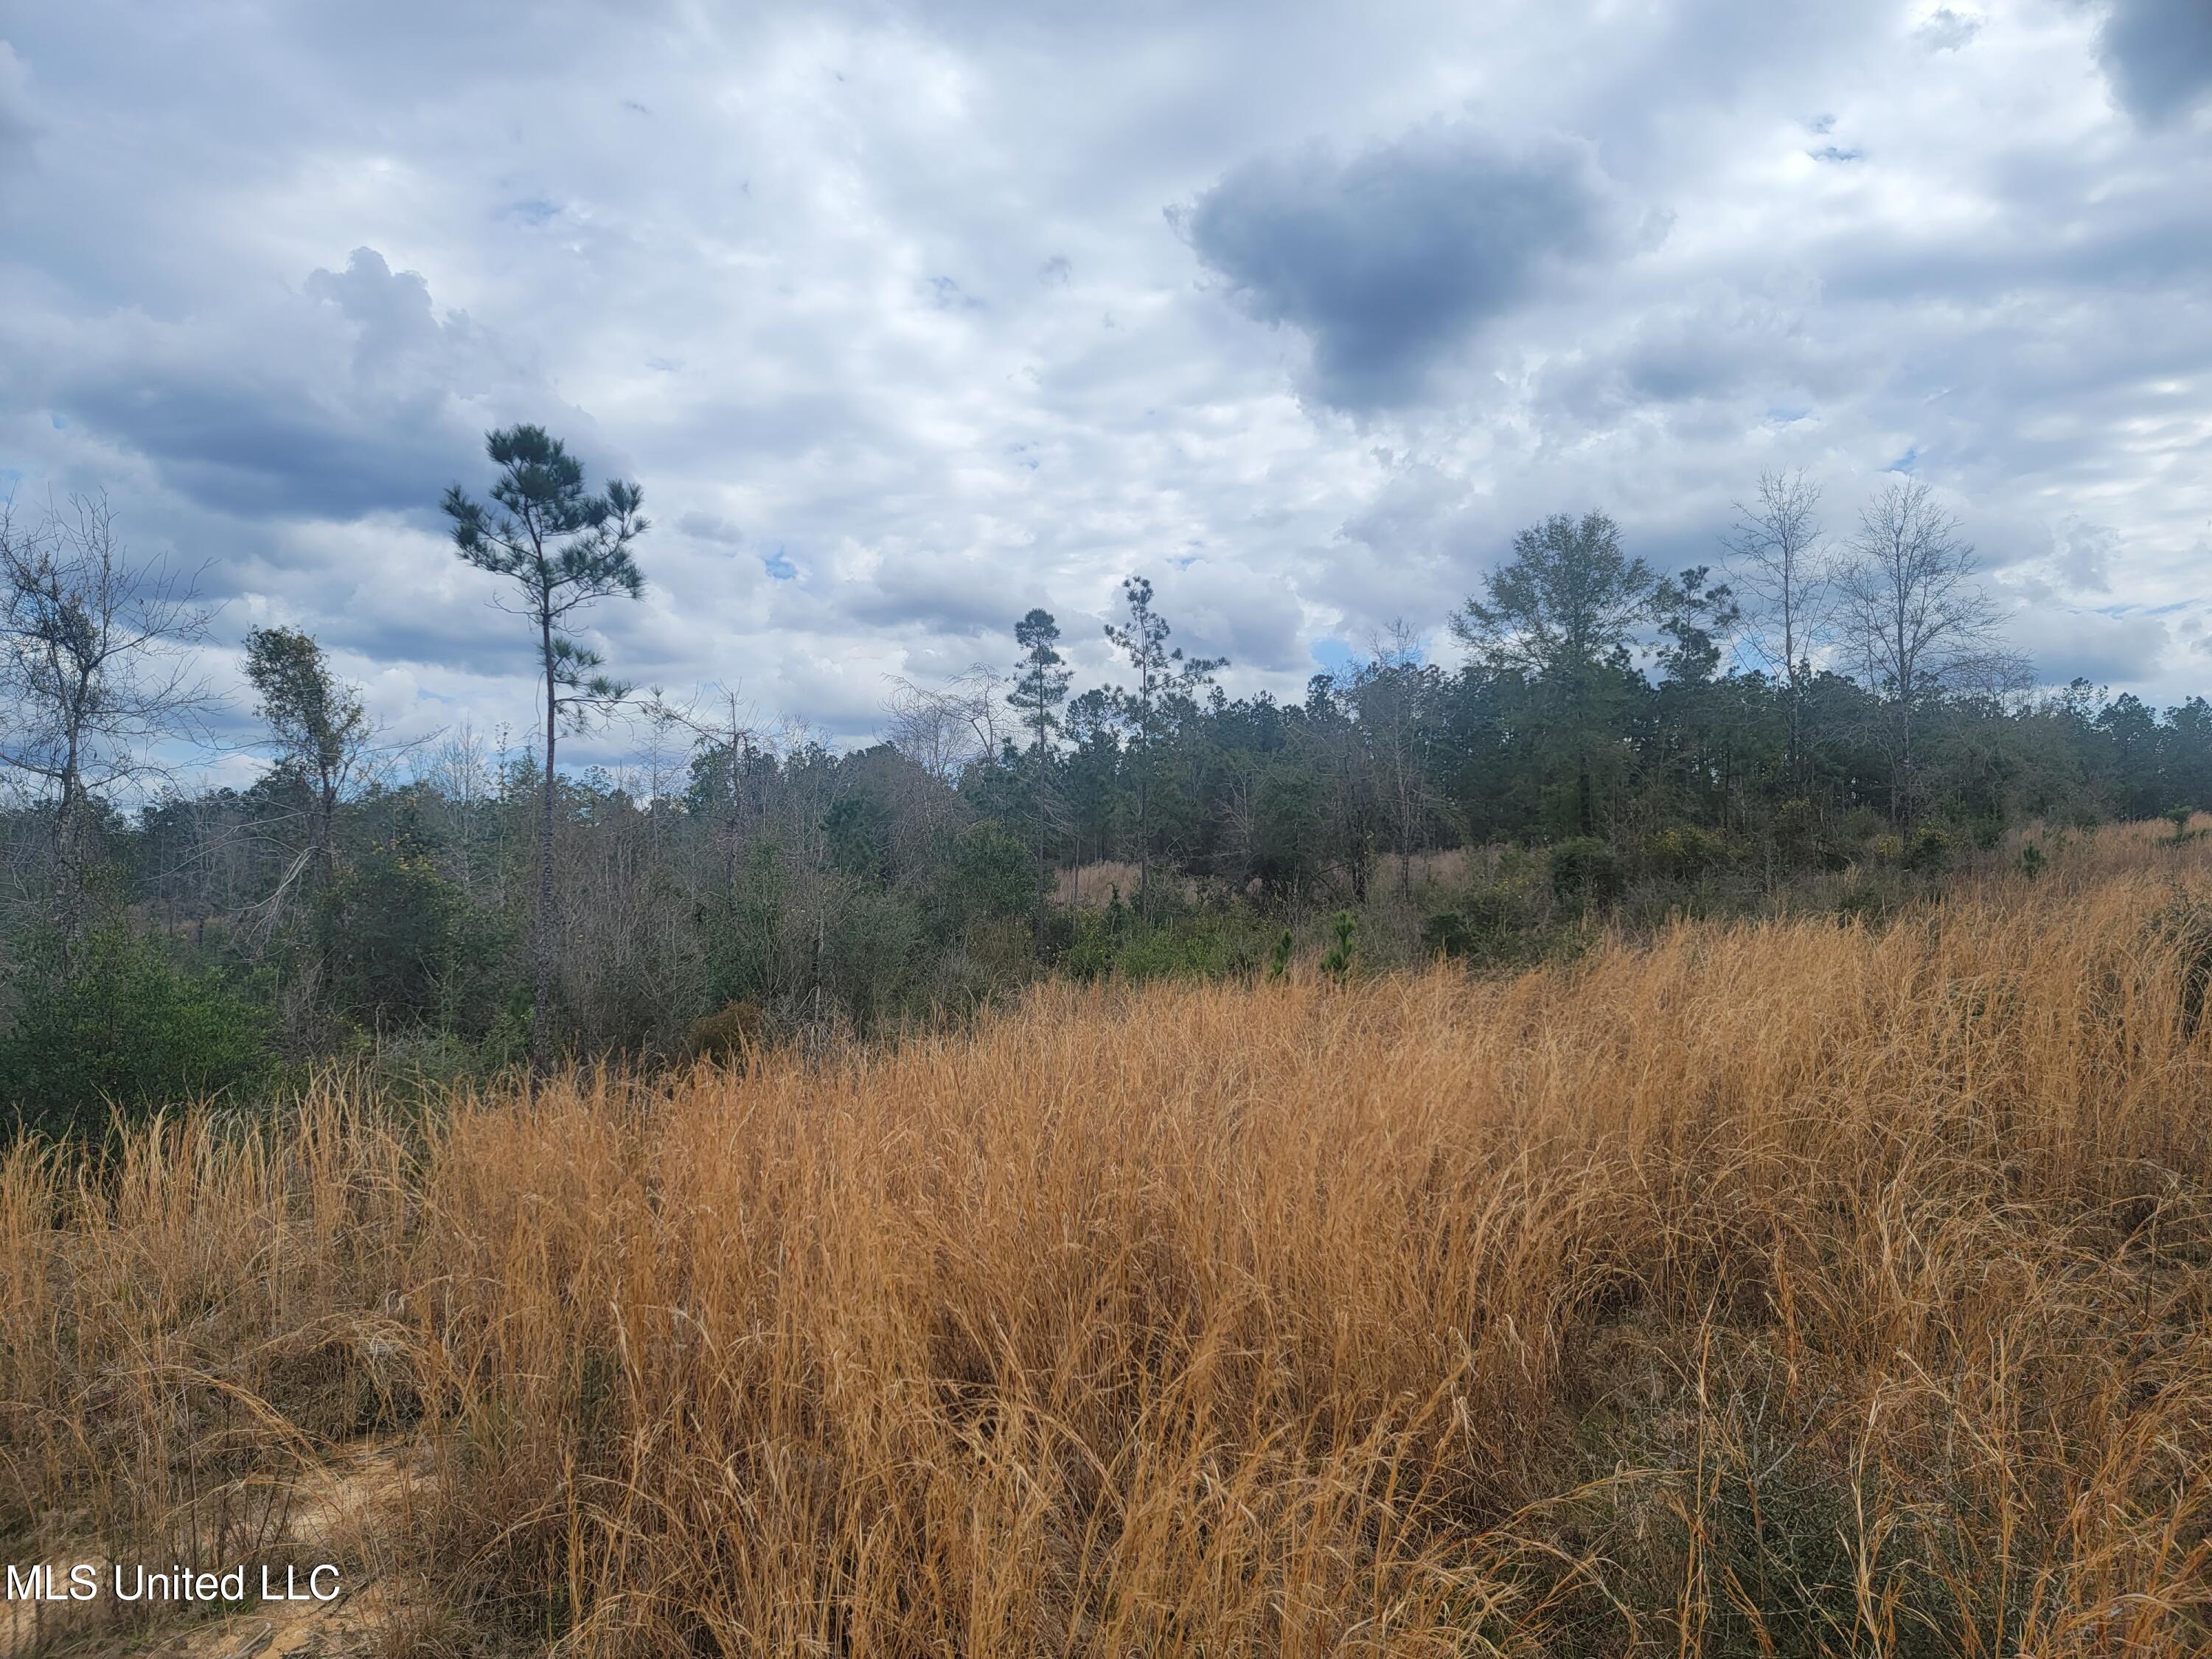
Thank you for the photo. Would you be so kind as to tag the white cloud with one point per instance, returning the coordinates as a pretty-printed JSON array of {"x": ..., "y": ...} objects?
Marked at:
[{"x": 880, "y": 304}]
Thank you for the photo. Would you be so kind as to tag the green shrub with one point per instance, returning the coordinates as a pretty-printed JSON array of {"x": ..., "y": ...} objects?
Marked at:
[
  {"x": 393, "y": 938},
  {"x": 992, "y": 872},
  {"x": 1209, "y": 943},
  {"x": 124, "y": 1029},
  {"x": 1930, "y": 850},
  {"x": 1586, "y": 871},
  {"x": 1337, "y": 962},
  {"x": 1865, "y": 899},
  {"x": 1797, "y": 829},
  {"x": 1682, "y": 853},
  {"x": 1447, "y": 933}
]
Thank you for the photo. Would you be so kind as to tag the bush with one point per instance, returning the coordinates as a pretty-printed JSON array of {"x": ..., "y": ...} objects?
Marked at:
[
  {"x": 1682, "y": 853},
  {"x": 732, "y": 1038},
  {"x": 1337, "y": 962},
  {"x": 1212, "y": 943},
  {"x": 1797, "y": 829},
  {"x": 992, "y": 872},
  {"x": 1930, "y": 850},
  {"x": 1586, "y": 871},
  {"x": 126, "y": 1029},
  {"x": 393, "y": 934},
  {"x": 1447, "y": 933}
]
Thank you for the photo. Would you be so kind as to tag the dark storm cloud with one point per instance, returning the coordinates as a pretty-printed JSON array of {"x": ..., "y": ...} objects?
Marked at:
[
  {"x": 2159, "y": 54},
  {"x": 250, "y": 449},
  {"x": 360, "y": 398},
  {"x": 1390, "y": 262}
]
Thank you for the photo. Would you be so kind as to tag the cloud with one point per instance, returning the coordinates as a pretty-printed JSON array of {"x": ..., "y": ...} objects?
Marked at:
[
  {"x": 2106, "y": 649},
  {"x": 19, "y": 124},
  {"x": 1946, "y": 30},
  {"x": 1391, "y": 261},
  {"x": 352, "y": 398},
  {"x": 857, "y": 470},
  {"x": 2159, "y": 54},
  {"x": 711, "y": 527}
]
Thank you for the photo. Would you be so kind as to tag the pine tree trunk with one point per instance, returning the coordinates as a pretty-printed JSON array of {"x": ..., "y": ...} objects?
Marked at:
[{"x": 541, "y": 1010}]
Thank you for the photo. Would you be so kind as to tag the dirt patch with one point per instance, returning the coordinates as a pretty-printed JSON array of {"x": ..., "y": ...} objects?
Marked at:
[{"x": 344, "y": 1513}]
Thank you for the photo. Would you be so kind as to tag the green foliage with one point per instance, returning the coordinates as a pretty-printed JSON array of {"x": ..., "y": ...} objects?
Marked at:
[
  {"x": 1286, "y": 830},
  {"x": 318, "y": 722},
  {"x": 1042, "y": 680},
  {"x": 1683, "y": 852},
  {"x": 395, "y": 944},
  {"x": 1558, "y": 616},
  {"x": 854, "y": 889},
  {"x": 1930, "y": 851},
  {"x": 1795, "y": 824},
  {"x": 2032, "y": 861},
  {"x": 1870, "y": 899},
  {"x": 1209, "y": 942},
  {"x": 1512, "y": 918},
  {"x": 858, "y": 827},
  {"x": 1337, "y": 961},
  {"x": 124, "y": 1029},
  {"x": 992, "y": 874},
  {"x": 1446, "y": 933},
  {"x": 1586, "y": 871}
]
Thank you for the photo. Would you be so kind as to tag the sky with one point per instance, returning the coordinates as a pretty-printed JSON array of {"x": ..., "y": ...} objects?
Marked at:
[{"x": 910, "y": 317}]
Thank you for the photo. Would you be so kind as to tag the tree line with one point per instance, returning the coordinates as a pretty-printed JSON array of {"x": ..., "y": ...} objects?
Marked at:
[{"x": 1821, "y": 708}]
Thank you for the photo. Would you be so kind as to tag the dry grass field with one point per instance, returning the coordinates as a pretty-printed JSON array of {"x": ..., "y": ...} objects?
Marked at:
[{"x": 1792, "y": 1288}]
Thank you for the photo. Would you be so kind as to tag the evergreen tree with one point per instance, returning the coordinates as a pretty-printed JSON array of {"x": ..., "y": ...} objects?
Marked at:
[
  {"x": 563, "y": 547},
  {"x": 1041, "y": 686},
  {"x": 1163, "y": 672},
  {"x": 1561, "y": 612}
]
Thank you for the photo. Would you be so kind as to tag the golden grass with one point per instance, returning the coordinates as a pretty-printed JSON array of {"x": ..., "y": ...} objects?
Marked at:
[
  {"x": 1783, "y": 1288},
  {"x": 1092, "y": 886}
]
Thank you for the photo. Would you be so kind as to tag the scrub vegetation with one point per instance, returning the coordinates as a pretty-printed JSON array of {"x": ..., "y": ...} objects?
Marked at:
[{"x": 1795, "y": 1285}]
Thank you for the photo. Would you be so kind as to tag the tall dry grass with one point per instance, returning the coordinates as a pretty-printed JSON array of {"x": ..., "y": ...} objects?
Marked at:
[{"x": 1778, "y": 1289}]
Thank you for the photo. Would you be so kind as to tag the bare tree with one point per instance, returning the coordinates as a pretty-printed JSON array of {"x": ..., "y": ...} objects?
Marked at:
[
  {"x": 1780, "y": 563},
  {"x": 1921, "y": 624},
  {"x": 1388, "y": 691},
  {"x": 945, "y": 730},
  {"x": 461, "y": 773},
  {"x": 95, "y": 676},
  {"x": 724, "y": 733}
]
